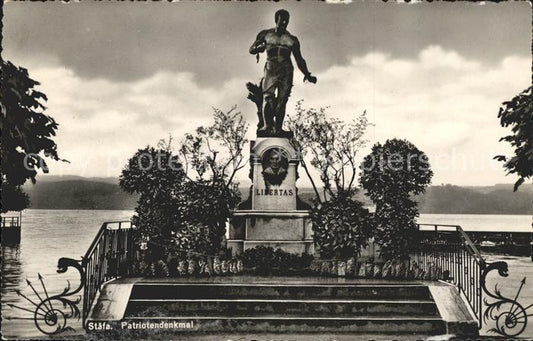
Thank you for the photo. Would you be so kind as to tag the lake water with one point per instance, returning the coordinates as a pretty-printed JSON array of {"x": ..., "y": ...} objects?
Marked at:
[
  {"x": 48, "y": 235},
  {"x": 481, "y": 222}
]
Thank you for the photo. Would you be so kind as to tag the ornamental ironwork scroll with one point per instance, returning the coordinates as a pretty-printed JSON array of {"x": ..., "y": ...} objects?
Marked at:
[
  {"x": 51, "y": 313},
  {"x": 509, "y": 315}
]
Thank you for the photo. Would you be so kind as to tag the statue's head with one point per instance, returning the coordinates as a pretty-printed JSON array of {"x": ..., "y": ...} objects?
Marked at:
[{"x": 282, "y": 20}]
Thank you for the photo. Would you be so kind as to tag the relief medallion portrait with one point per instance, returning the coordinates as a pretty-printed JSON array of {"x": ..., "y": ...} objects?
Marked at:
[{"x": 275, "y": 164}]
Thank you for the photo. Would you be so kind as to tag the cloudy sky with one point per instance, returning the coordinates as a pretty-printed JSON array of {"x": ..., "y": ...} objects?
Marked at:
[{"x": 120, "y": 76}]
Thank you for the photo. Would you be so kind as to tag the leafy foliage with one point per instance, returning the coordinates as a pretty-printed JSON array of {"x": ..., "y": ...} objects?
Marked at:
[
  {"x": 13, "y": 198},
  {"x": 27, "y": 134},
  {"x": 202, "y": 211},
  {"x": 201, "y": 152},
  {"x": 264, "y": 260},
  {"x": 178, "y": 213},
  {"x": 394, "y": 169},
  {"x": 518, "y": 113},
  {"x": 148, "y": 174},
  {"x": 395, "y": 226},
  {"x": 261, "y": 258},
  {"x": 332, "y": 145},
  {"x": 392, "y": 174},
  {"x": 152, "y": 172},
  {"x": 341, "y": 227}
]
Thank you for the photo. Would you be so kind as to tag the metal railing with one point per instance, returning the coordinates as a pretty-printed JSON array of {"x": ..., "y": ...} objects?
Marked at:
[
  {"x": 110, "y": 256},
  {"x": 11, "y": 221},
  {"x": 449, "y": 248}
]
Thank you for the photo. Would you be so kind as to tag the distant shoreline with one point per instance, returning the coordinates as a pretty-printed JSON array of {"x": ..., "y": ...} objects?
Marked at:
[{"x": 105, "y": 194}]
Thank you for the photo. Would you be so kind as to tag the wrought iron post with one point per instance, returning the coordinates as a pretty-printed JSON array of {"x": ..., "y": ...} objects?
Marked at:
[{"x": 509, "y": 315}]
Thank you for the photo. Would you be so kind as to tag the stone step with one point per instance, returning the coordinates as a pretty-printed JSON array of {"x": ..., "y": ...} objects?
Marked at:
[
  {"x": 204, "y": 290},
  {"x": 268, "y": 324},
  {"x": 261, "y": 307}
]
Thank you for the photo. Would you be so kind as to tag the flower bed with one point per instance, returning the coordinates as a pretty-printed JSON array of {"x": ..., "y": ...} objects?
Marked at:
[
  {"x": 193, "y": 266},
  {"x": 368, "y": 268},
  {"x": 267, "y": 262}
]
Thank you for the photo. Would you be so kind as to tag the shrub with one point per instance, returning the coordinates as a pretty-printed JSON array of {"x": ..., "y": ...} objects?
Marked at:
[
  {"x": 392, "y": 174},
  {"x": 264, "y": 260},
  {"x": 202, "y": 208},
  {"x": 341, "y": 227},
  {"x": 186, "y": 198},
  {"x": 260, "y": 258},
  {"x": 149, "y": 174},
  {"x": 396, "y": 228},
  {"x": 171, "y": 212}
]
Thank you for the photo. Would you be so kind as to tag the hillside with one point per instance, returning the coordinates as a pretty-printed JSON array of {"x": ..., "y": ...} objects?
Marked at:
[
  {"x": 498, "y": 199},
  {"x": 104, "y": 193},
  {"x": 79, "y": 194}
]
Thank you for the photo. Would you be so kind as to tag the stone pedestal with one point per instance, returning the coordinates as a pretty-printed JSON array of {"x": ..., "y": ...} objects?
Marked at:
[
  {"x": 272, "y": 218},
  {"x": 273, "y": 190}
]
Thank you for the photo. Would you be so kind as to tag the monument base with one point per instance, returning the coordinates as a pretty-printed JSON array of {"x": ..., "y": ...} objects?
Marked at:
[
  {"x": 287, "y": 230},
  {"x": 271, "y": 215}
]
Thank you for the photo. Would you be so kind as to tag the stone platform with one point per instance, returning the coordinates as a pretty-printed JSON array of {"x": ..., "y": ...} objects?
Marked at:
[{"x": 255, "y": 304}]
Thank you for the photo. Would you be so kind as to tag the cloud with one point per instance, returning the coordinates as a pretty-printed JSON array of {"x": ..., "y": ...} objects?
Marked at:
[
  {"x": 440, "y": 100},
  {"x": 102, "y": 122},
  {"x": 443, "y": 102},
  {"x": 434, "y": 57}
]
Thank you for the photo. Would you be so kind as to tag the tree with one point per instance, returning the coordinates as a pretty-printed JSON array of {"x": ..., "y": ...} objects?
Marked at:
[
  {"x": 392, "y": 174},
  {"x": 518, "y": 113},
  {"x": 157, "y": 176},
  {"x": 332, "y": 145},
  {"x": 215, "y": 152},
  {"x": 27, "y": 135},
  {"x": 341, "y": 225},
  {"x": 212, "y": 156},
  {"x": 186, "y": 197}
]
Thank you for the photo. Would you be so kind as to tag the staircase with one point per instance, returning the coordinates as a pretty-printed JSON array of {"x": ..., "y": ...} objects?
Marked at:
[{"x": 297, "y": 307}]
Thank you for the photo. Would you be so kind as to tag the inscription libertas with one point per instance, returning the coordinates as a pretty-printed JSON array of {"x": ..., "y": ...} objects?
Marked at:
[{"x": 275, "y": 192}]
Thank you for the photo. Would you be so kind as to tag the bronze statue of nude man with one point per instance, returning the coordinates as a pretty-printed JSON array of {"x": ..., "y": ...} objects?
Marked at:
[{"x": 277, "y": 81}]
